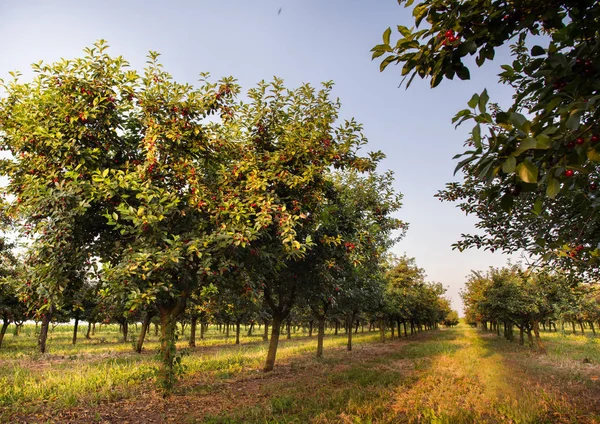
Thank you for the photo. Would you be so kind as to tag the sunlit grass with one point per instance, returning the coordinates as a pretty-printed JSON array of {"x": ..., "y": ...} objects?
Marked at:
[
  {"x": 459, "y": 375},
  {"x": 105, "y": 368}
]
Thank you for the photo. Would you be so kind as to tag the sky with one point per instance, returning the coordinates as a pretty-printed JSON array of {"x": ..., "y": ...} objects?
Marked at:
[{"x": 301, "y": 41}]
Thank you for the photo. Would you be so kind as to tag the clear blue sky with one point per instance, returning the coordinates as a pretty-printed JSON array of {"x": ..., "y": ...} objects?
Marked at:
[{"x": 308, "y": 41}]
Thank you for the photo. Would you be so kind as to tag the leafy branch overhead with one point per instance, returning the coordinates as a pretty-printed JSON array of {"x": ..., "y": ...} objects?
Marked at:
[{"x": 542, "y": 152}]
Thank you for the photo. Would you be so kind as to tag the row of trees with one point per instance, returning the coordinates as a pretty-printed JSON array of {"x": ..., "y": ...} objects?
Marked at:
[
  {"x": 400, "y": 300},
  {"x": 164, "y": 199},
  {"x": 508, "y": 298}
]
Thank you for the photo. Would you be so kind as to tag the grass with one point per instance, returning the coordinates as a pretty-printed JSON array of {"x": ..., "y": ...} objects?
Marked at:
[{"x": 458, "y": 375}]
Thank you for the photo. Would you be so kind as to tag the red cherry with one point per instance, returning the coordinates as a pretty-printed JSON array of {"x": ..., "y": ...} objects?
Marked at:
[
  {"x": 593, "y": 186},
  {"x": 594, "y": 139},
  {"x": 449, "y": 33},
  {"x": 580, "y": 140},
  {"x": 569, "y": 173},
  {"x": 579, "y": 248},
  {"x": 570, "y": 145}
]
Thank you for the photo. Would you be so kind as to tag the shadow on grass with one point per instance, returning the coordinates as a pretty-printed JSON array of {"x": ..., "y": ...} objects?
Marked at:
[{"x": 351, "y": 387}]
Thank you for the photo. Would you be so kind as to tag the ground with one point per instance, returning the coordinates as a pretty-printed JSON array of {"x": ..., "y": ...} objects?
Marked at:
[{"x": 455, "y": 375}]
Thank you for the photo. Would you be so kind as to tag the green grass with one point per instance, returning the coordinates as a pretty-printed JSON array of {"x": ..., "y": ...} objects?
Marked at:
[{"x": 458, "y": 375}]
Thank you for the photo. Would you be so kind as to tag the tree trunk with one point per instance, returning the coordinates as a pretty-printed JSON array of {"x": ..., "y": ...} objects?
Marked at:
[
  {"x": 125, "y": 327},
  {"x": 529, "y": 337},
  {"x": 94, "y": 329},
  {"x": 573, "y": 326},
  {"x": 193, "y": 325},
  {"x": 382, "y": 330},
  {"x": 521, "y": 336},
  {"x": 275, "y": 329},
  {"x": 581, "y": 325},
  {"x": 289, "y": 330},
  {"x": 75, "y": 327},
  {"x": 393, "y": 328},
  {"x": 155, "y": 329},
  {"x": 5, "y": 325},
  {"x": 536, "y": 330},
  {"x": 310, "y": 327},
  {"x": 142, "y": 336},
  {"x": 167, "y": 375},
  {"x": 87, "y": 333},
  {"x": 349, "y": 324},
  {"x": 43, "y": 337},
  {"x": 357, "y": 325},
  {"x": 227, "y": 331},
  {"x": 203, "y": 327},
  {"x": 250, "y": 329},
  {"x": 320, "y": 335},
  {"x": 592, "y": 328},
  {"x": 237, "y": 333},
  {"x": 266, "y": 339},
  {"x": 337, "y": 326}
]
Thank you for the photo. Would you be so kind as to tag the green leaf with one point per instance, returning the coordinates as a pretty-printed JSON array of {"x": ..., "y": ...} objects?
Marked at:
[
  {"x": 463, "y": 73},
  {"x": 385, "y": 62},
  {"x": 474, "y": 101},
  {"x": 404, "y": 31},
  {"x": 509, "y": 165},
  {"x": 476, "y": 133},
  {"x": 553, "y": 188},
  {"x": 593, "y": 155},
  {"x": 537, "y": 51},
  {"x": 542, "y": 141},
  {"x": 386, "y": 36},
  {"x": 537, "y": 206},
  {"x": 483, "y": 99},
  {"x": 527, "y": 144},
  {"x": 468, "y": 47},
  {"x": 506, "y": 202},
  {"x": 517, "y": 120},
  {"x": 527, "y": 172},
  {"x": 574, "y": 121}
]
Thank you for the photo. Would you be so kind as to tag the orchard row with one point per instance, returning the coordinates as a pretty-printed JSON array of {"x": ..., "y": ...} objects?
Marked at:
[{"x": 133, "y": 195}]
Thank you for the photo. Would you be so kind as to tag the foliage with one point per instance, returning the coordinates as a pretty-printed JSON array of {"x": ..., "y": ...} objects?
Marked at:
[{"x": 531, "y": 169}]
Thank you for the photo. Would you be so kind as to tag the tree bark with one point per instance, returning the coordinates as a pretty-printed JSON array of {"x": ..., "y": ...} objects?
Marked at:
[
  {"x": 310, "y": 328},
  {"x": 168, "y": 325},
  {"x": 5, "y": 325},
  {"x": 202, "y": 330},
  {"x": 581, "y": 325},
  {"x": 289, "y": 330},
  {"x": 125, "y": 327},
  {"x": 237, "y": 333},
  {"x": 536, "y": 331},
  {"x": 87, "y": 333},
  {"x": 521, "y": 336},
  {"x": 75, "y": 327},
  {"x": 193, "y": 325},
  {"x": 272, "y": 353},
  {"x": 142, "y": 336},
  {"x": 382, "y": 330},
  {"x": 266, "y": 335},
  {"x": 250, "y": 329},
  {"x": 349, "y": 323},
  {"x": 320, "y": 335},
  {"x": 43, "y": 337},
  {"x": 592, "y": 328}
]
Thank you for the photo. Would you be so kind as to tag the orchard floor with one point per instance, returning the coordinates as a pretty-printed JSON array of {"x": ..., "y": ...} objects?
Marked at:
[{"x": 456, "y": 375}]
